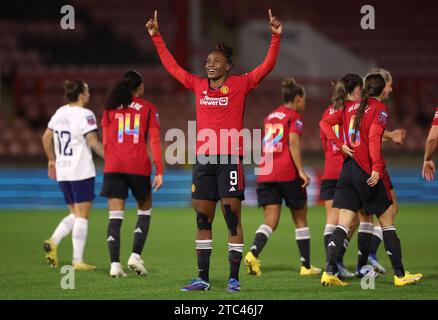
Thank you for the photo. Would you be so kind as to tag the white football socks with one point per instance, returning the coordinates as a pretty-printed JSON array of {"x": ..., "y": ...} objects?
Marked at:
[
  {"x": 63, "y": 228},
  {"x": 79, "y": 236}
]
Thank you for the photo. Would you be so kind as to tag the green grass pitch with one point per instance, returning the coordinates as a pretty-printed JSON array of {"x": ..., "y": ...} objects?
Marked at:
[{"x": 170, "y": 258}]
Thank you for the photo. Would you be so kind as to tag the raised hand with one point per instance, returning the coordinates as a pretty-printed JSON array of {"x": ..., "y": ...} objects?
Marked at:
[
  {"x": 276, "y": 26},
  {"x": 152, "y": 24}
]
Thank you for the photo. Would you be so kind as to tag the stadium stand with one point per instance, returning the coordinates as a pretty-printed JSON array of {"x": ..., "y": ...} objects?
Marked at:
[{"x": 110, "y": 38}]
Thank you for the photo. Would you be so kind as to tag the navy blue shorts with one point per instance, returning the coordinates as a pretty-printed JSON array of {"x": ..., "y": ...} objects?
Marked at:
[{"x": 78, "y": 191}]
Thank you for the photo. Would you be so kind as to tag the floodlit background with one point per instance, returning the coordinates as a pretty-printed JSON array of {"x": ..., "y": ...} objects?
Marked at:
[{"x": 322, "y": 40}]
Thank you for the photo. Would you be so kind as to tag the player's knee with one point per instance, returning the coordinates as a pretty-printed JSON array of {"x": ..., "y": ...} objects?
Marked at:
[
  {"x": 231, "y": 220},
  {"x": 202, "y": 221}
]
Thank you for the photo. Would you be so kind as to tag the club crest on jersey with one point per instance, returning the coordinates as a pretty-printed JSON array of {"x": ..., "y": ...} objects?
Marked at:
[
  {"x": 383, "y": 117},
  {"x": 436, "y": 115},
  {"x": 91, "y": 120},
  {"x": 225, "y": 90}
]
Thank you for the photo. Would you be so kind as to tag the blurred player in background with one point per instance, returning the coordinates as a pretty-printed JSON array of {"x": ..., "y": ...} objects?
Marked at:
[
  {"x": 431, "y": 143},
  {"x": 68, "y": 140},
  {"x": 129, "y": 124},
  {"x": 220, "y": 104},
  {"x": 283, "y": 128},
  {"x": 361, "y": 184},
  {"x": 347, "y": 89}
]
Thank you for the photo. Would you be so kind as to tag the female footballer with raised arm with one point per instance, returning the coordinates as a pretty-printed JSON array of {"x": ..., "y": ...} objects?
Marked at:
[{"x": 218, "y": 173}]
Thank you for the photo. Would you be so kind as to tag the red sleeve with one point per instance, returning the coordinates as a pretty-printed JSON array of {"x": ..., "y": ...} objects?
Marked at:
[
  {"x": 154, "y": 119},
  {"x": 154, "y": 140},
  {"x": 381, "y": 117},
  {"x": 256, "y": 75},
  {"x": 327, "y": 124},
  {"x": 105, "y": 124},
  {"x": 296, "y": 126},
  {"x": 435, "y": 119},
  {"x": 105, "y": 120},
  {"x": 323, "y": 138},
  {"x": 375, "y": 144},
  {"x": 168, "y": 61}
]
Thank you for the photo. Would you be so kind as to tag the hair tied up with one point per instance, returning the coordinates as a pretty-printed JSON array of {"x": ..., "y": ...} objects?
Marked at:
[{"x": 288, "y": 82}]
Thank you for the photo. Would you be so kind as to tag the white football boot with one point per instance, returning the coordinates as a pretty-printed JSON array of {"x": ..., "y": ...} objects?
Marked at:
[
  {"x": 116, "y": 270},
  {"x": 135, "y": 263}
]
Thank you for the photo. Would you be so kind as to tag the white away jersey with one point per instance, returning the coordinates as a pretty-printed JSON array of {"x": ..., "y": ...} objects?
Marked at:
[{"x": 74, "y": 160}]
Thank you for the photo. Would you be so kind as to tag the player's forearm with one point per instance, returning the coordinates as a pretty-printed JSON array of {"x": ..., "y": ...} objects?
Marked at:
[
  {"x": 155, "y": 146},
  {"x": 431, "y": 143},
  {"x": 387, "y": 136},
  {"x": 168, "y": 60},
  {"x": 270, "y": 60},
  {"x": 375, "y": 144},
  {"x": 98, "y": 148},
  {"x": 95, "y": 144},
  {"x": 327, "y": 128},
  {"x": 430, "y": 148},
  {"x": 295, "y": 150},
  {"x": 49, "y": 148}
]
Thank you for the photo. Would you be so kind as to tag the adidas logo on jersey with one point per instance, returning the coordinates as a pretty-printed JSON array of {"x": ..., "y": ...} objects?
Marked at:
[
  {"x": 138, "y": 230},
  {"x": 331, "y": 244},
  {"x": 110, "y": 238},
  {"x": 232, "y": 189}
]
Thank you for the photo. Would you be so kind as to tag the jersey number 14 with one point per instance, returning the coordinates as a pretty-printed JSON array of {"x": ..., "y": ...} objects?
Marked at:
[{"x": 124, "y": 127}]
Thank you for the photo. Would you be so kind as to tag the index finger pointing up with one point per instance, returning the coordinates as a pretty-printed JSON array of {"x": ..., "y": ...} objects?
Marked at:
[
  {"x": 155, "y": 15},
  {"x": 270, "y": 14}
]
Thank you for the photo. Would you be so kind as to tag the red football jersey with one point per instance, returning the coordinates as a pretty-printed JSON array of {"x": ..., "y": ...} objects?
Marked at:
[
  {"x": 221, "y": 108},
  {"x": 367, "y": 146},
  {"x": 125, "y": 133},
  {"x": 278, "y": 125},
  {"x": 333, "y": 157},
  {"x": 435, "y": 119}
]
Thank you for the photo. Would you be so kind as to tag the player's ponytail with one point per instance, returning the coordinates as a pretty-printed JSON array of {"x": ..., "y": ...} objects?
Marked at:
[
  {"x": 72, "y": 89},
  {"x": 374, "y": 85},
  {"x": 290, "y": 89},
  {"x": 343, "y": 88},
  {"x": 120, "y": 95},
  {"x": 227, "y": 51}
]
